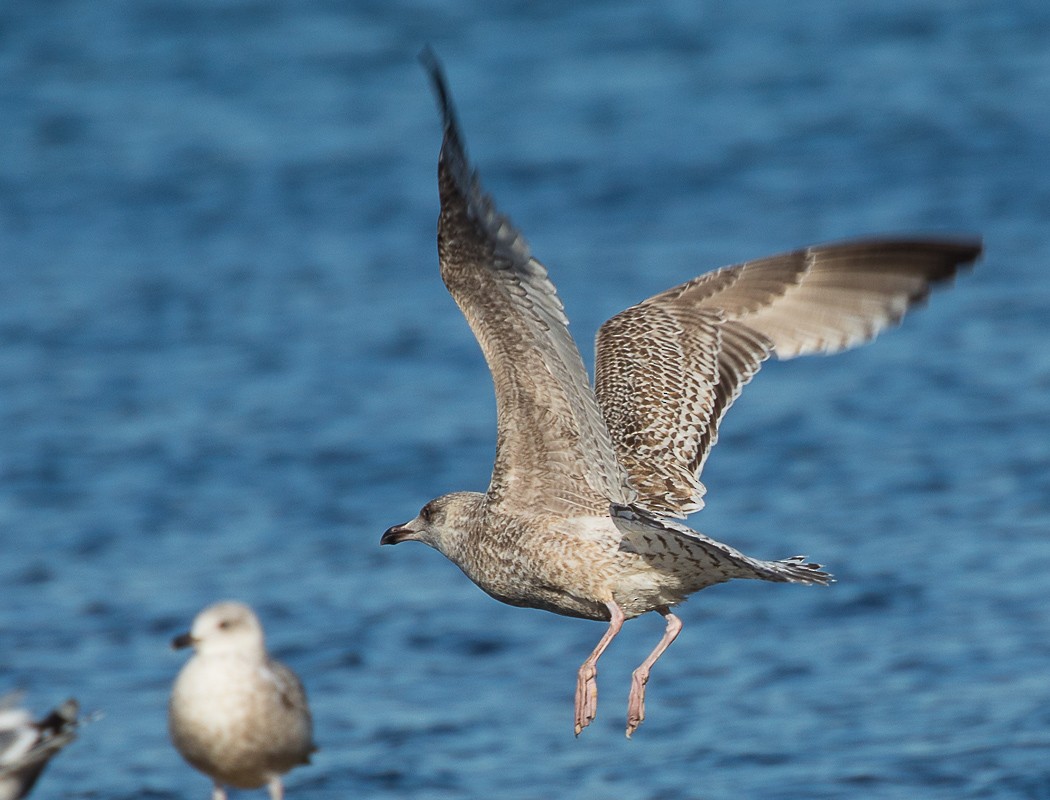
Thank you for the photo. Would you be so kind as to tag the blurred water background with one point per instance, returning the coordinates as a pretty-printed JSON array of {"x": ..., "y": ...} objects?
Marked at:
[{"x": 227, "y": 364}]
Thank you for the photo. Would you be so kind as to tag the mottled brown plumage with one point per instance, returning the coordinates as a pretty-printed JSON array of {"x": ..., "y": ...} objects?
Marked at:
[
  {"x": 577, "y": 518},
  {"x": 668, "y": 368}
]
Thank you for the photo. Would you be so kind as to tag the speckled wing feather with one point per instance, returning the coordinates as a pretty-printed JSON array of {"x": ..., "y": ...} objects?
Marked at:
[
  {"x": 668, "y": 368},
  {"x": 293, "y": 698},
  {"x": 553, "y": 451}
]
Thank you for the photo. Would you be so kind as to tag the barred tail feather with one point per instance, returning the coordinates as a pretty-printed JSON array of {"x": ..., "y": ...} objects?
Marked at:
[
  {"x": 796, "y": 569},
  {"x": 706, "y": 561}
]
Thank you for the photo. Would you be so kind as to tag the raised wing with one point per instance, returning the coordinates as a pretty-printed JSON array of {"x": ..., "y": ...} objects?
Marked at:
[
  {"x": 668, "y": 368},
  {"x": 553, "y": 452}
]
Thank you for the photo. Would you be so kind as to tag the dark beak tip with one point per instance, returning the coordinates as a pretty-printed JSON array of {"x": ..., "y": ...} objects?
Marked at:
[
  {"x": 394, "y": 535},
  {"x": 181, "y": 641}
]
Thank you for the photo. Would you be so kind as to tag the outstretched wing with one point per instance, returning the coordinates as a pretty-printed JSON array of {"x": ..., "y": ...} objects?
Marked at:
[
  {"x": 668, "y": 368},
  {"x": 553, "y": 451}
]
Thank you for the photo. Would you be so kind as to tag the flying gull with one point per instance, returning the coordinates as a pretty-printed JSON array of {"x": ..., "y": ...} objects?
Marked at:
[
  {"x": 580, "y": 514},
  {"x": 236, "y": 714},
  {"x": 26, "y": 745}
]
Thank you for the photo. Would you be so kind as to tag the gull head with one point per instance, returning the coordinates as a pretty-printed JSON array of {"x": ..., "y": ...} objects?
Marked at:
[
  {"x": 224, "y": 628},
  {"x": 443, "y": 523}
]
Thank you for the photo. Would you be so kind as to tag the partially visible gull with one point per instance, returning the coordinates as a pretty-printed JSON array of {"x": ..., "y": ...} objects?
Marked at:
[
  {"x": 27, "y": 745},
  {"x": 236, "y": 714},
  {"x": 579, "y": 516}
]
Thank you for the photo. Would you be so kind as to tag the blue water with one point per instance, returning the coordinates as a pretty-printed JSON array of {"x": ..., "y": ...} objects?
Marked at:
[{"x": 227, "y": 364}]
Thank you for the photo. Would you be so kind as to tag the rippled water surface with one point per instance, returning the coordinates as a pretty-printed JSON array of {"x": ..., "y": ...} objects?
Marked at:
[{"x": 227, "y": 363}]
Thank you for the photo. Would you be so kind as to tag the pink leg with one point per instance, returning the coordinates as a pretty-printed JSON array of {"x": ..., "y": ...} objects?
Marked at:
[
  {"x": 640, "y": 677},
  {"x": 586, "y": 678},
  {"x": 276, "y": 788},
  {"x": 218, "y": 792}
]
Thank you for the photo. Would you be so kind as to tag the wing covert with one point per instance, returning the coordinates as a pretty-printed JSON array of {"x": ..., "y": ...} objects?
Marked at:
[{"x": 669, "y": 368}]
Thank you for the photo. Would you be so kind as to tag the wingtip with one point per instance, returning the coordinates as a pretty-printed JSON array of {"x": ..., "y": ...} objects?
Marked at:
[
  {"x": 455, "y": 173},
  {"x": 967, "y": 249},
  {"x": 961, "y": 255},
  {"x": 427, "y": 55},
  {"x": 975, "y": 251},
  {"x": 436, "y": 72},
  {"x": 432, "y": 64}
]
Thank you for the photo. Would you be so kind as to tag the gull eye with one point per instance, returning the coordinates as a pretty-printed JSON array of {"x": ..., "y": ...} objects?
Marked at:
[
  {"x": 225, "y": 625},
  {"x": 426, "y": 513}
]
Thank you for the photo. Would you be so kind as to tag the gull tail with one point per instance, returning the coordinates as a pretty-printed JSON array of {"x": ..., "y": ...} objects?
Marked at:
[
  {"x": 679, "y": 549},
  {"x": 796, "y": 569}
]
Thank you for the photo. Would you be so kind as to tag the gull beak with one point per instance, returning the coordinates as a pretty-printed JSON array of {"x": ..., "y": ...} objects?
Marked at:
[
  {"x": 398, "y": 534},
  {"x": 181, "y": 641}
]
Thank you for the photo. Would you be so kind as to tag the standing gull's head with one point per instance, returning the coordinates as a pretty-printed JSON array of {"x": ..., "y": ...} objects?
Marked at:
[{"x": 224, "y": 628}]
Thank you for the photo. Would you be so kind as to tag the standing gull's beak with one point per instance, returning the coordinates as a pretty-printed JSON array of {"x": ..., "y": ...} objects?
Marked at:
[{"x": 181, "y": 641}]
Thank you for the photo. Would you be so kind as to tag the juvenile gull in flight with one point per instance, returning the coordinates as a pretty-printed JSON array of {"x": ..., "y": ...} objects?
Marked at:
[
  {"x": 236, "y": 714},
  {"x": 579, "y": 516},
  {"x": 27, "y": 745}
]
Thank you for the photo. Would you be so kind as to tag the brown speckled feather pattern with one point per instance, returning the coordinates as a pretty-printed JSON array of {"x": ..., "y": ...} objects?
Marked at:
[
  {"x": 668, "y": 368},
  {"x": 553, "y": 448}
]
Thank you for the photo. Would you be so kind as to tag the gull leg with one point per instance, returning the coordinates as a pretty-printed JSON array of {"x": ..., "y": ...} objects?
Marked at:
[
  {"x": 640, "y": 677},
  {"x": 586, "y": 678},
  {"x": 218, "y": 793},
  {"x": 276, "y": 788}
]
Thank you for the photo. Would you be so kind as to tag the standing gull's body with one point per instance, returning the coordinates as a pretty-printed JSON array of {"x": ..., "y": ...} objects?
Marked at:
[
  {"x": 236, "y": 714},
  {"x": 578, "y": 517}
]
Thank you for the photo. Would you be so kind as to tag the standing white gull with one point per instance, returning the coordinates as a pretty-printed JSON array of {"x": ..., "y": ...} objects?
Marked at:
[
  {"x": 577, "y": 518},
  {"x": 236, "y": 714}
]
